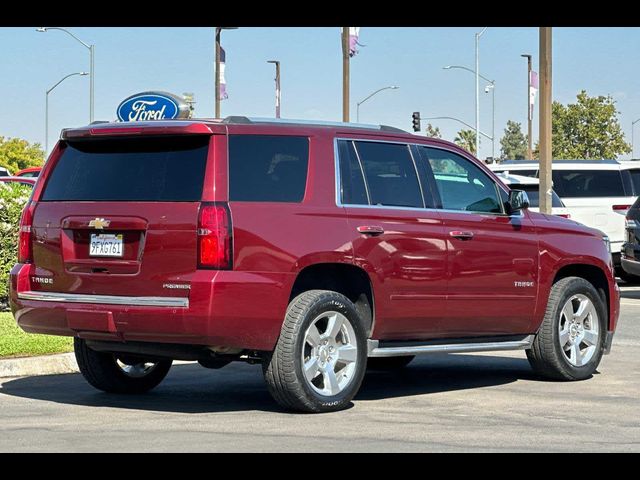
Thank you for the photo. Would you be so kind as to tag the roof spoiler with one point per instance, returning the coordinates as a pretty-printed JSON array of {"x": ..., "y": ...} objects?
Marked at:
[{"x": 137, "y": 128}]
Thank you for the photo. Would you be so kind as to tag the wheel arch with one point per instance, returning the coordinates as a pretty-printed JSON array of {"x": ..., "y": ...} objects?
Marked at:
[
  {"x": 351, "y": 281},
  {"x": 592, "y": 274}
]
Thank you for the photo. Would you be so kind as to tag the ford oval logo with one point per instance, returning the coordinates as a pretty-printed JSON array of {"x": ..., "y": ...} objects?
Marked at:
[{"x": 152, "y": 106}]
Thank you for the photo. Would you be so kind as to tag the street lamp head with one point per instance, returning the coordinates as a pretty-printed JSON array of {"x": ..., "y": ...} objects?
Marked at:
[
  {"x": 448, "y": 67},
  {"x": 41, "y": 29},
  {"x": 83, "y": 73},
  {"x": 394, "y": 87},
  {"x": 525, "y": 55},
  {"x": 273, "y": 61}
]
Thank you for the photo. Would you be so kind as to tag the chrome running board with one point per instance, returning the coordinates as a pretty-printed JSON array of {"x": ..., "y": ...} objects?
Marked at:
[{"x": 375, "y": 350}]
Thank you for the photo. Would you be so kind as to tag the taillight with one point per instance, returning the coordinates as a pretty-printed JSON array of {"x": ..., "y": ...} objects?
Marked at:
[
  {"x": 621, "y": 208},
  {"x": 564, "y": 215},
  {"x": 25, "y": 251},
  {"x": 214, "y": 236}
]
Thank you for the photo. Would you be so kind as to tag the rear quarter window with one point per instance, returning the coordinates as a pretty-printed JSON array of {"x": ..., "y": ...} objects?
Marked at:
[
  {"x": 267, "y": 168},
  {"x": 588, "y": 183}
]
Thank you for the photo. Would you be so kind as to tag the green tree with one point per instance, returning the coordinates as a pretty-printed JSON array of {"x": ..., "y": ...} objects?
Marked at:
[
  {"x": 16, "y": 154},
  {"x": 513, "y": 143},
  {"x": 586, "y": 130},
  {"x": 433, "y": 132},
  {"x": 467, "y": 140}
]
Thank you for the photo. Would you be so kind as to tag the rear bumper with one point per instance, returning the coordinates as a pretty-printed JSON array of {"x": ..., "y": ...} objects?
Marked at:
[{"x": 224, "y": 308}]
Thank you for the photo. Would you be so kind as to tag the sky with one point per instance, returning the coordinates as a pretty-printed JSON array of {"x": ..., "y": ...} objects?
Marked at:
[{"x": 603, "y": 61}]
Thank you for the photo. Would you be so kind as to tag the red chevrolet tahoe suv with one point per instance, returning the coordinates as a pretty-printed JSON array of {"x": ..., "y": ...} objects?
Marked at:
[{"x": 317, "y": 250}]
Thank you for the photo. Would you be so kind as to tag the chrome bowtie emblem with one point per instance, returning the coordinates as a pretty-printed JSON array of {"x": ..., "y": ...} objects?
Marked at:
[{"x": 99, "y": 223}]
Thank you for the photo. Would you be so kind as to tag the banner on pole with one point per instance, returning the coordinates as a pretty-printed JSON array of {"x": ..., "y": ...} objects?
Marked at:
[
  {"x": 533, "y": 91},
  {"x": 223, "y": 83}
]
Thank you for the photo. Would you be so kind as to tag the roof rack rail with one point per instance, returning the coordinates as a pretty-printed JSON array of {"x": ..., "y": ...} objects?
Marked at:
[
  {"x": 256, "y": 120},
  {"x": 388, "y": 128},
  {"x": 237, "y": 119}
]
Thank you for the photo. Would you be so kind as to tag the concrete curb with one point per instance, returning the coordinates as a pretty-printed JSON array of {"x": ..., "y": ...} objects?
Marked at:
[{"x": 43, "y": 365}]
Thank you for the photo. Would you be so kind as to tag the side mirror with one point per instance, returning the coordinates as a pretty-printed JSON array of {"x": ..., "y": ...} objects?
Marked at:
[{"x": 518, "y": 201}]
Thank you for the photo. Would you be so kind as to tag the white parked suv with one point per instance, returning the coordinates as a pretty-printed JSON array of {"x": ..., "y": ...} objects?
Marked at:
[{"x": 597, "y": 193}]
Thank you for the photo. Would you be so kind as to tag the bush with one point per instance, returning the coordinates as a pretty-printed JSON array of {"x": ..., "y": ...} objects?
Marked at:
[{"x": 13, "y": 197}]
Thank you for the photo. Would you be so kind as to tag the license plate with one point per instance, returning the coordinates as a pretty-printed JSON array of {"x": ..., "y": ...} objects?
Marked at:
[{"x": 105, "y": 245}]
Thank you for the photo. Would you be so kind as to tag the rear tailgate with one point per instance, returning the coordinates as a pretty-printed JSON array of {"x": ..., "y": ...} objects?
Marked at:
[
  {"x": 597, "y": 198},
  {"x": 118, "y": 217}
]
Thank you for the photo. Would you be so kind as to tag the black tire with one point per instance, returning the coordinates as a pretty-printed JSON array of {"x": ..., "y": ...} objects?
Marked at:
[
  {"x": 102, "y": 371},
  {"x": 389, "y": 363},
  {"x": 546, "y": 356},
  {"x": 283, "y": 369}
]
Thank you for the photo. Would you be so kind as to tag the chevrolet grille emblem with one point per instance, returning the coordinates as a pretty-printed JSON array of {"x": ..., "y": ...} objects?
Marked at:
[{"x": 99, "y": 223}]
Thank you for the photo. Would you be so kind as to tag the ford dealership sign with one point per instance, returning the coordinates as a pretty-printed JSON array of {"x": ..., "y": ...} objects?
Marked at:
[{"x": 152, "y": 106}]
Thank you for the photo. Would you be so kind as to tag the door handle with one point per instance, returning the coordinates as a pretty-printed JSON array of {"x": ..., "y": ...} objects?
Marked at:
[
  {"x": 370, "y": 230},
  {"x": 461, "y": 235}
]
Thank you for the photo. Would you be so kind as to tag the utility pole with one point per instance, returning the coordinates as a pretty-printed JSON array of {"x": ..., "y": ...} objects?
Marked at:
[
  {"x": 529, "y": 109},
  {"x": 545, "y": 120},
  {"x": 345, "y": 74}
]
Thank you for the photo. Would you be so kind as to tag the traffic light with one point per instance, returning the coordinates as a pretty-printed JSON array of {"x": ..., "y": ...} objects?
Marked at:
[{"x": 416, "y": 121}]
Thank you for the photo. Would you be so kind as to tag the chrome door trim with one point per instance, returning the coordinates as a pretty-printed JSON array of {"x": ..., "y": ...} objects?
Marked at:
[
  {"x": 374, "y": 350},
  {"x": 171, "y": 302}
]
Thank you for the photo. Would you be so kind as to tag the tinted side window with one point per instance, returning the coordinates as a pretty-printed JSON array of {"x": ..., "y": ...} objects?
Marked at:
[
  {"x": 533, "y": 192},
  {"x": 461, "y": 184},
  {"x": 588, "y": 183},
  {"x": 352, "y": 188},
  {"x": 390, "y": 174},
  {"x": 267, "y": 168}
]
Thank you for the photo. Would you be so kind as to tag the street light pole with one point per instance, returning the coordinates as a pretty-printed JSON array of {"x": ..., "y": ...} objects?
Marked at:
[
  {"x": 478, "y": 35},
  {"x": 529, "y": 113},
  {"x": 46, "y": 109},
  {"x": 92, "y": 49},
  {"x": 492, "y": 86},
  {"x": 392, "y": 87},
  {"x": 632, "y": 144},
  {"x": 277, "y": 64},
  {"x": 217, "y": 67}
]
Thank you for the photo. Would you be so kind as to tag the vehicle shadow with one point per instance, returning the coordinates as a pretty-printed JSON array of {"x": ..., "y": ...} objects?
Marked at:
[{"x": 189, "y": 388}]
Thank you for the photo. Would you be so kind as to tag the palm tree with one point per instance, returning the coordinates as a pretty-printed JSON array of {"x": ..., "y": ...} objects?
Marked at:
[{"x": 467, "y": 140}]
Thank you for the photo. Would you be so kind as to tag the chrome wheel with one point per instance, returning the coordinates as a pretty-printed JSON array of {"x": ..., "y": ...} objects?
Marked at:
[
  {"x": 136, "y": 370},
  {"x": 329, "y": 354},
  {"x": 579, "y": 330}
]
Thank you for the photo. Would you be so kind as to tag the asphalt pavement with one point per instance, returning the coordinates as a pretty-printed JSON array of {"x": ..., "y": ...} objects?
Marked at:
[{"x": 475, "y": 402}]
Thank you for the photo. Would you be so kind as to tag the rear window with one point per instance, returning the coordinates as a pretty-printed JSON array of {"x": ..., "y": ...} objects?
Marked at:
[
  {"x": 267, "y": 168},
  {"x": 153, "y": 169},
  {"x": 588, "y": 183},
  {"x": 533, "y": 193}
]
